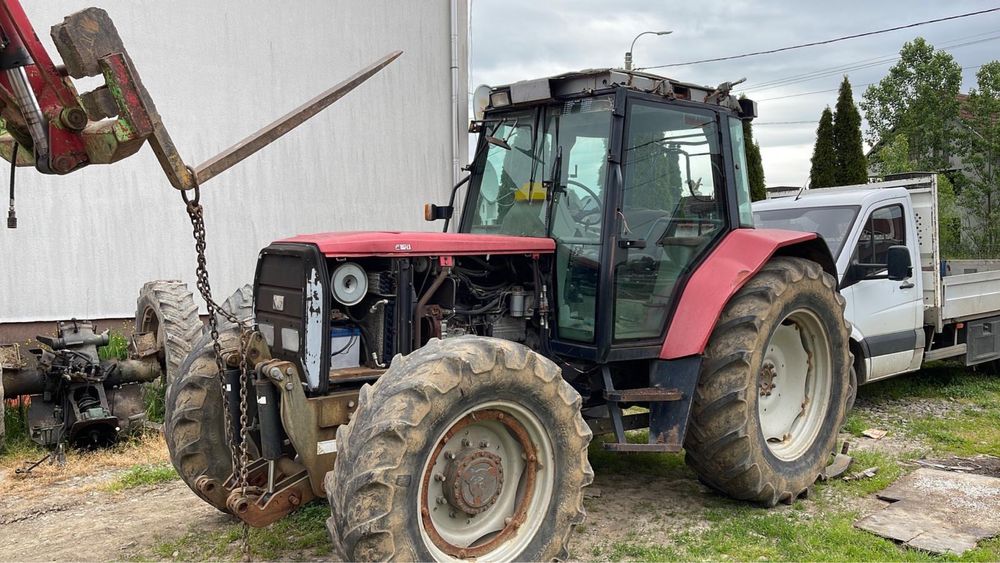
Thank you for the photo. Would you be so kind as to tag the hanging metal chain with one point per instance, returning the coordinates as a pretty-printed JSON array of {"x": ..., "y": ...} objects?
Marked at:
[
  {"x": 245, "y": 370},
  {"x": 237, "y": 450},
  {"x": 197, "y": 215}
]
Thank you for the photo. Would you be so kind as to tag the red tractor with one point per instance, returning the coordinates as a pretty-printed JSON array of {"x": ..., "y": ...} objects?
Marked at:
[{"x": 442, "y": 389}]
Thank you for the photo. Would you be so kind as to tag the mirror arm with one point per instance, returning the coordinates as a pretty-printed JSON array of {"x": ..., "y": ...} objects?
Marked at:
[{"x": 451, "y": 200}]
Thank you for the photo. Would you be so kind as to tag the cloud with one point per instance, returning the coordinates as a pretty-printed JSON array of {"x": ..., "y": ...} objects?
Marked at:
[{"x": 520, "y": 39}]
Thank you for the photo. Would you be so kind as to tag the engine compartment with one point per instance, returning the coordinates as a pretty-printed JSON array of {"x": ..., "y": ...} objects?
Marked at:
[
  {"x": 343, "y": 320},
  {"x": 381, "y": 307}
]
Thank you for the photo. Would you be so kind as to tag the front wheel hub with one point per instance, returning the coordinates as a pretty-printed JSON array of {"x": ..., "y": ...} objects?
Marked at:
[{"x": 473, "y": 480}]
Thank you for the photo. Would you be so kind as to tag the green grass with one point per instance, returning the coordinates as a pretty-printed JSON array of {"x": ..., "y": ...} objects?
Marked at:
[
  {"x": 142, "y": 475},
  {"x": 116, "y": 349},
  {"x": 659, "y": 465},
  {"x": 972, "y": 426},
  {"x": 971, "y": 432},
  {"x": 744, "y": 533},
  {"x": 17, "y": 443},
  {"x": 154, "y": 398},
  {"x": 889, "y": 469},
  {"x": 938, "y": 380},
  {"x": 302, "y": 535},
  {"x": 856, "y": 423}
]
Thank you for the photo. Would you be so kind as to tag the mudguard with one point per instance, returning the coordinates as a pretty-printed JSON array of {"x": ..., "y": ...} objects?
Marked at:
[{"x": 734, "y": 261}]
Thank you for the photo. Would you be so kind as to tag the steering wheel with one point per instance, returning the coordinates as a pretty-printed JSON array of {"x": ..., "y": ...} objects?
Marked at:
[{"x": 597, "y": 202}]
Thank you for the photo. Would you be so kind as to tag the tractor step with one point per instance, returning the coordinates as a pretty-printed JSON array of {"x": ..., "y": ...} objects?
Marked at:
[
  {"x": 643, "y": 395},
  {"x": 636, "y": 448}
]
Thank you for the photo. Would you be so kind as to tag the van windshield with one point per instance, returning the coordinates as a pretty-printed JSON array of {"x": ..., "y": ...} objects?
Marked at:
[{"x": 832, "y": 223}]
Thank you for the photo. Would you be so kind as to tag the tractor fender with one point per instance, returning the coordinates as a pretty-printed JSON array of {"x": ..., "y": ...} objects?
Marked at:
[{"x": 740, "y": 255}]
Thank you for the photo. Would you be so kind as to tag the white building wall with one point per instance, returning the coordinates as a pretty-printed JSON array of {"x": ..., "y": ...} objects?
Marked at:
[{"x": 218, "y": 71}]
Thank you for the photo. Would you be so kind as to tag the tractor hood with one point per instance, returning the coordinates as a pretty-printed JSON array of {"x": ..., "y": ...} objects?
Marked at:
[{"x": 395, "y": 243}]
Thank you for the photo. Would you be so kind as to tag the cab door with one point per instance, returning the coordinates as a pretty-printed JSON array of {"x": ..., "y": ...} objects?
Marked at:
[{"x": 887, "y": 312}]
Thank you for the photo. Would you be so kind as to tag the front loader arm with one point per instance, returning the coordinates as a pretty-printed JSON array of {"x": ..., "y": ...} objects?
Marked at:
[{"x": 59, "y": 131}]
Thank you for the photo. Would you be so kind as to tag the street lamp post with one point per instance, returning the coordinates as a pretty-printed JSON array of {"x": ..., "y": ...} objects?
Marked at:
[{"x": 628, "y": 54}]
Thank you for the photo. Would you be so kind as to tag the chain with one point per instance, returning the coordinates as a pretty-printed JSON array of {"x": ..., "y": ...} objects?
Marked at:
[
  {"x": 238, "y": 453},
  {"x": 245, "y": 371}
]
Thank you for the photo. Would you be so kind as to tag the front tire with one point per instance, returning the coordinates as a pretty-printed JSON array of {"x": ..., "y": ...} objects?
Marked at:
[
  {"x": 472, "y": 447},
  {"x": 773, "y": 388},
  {"x": 195, "y": 428}
]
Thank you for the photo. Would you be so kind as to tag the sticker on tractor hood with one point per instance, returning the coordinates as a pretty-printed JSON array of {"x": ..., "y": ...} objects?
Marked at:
[{"x": 403, "y": 247}]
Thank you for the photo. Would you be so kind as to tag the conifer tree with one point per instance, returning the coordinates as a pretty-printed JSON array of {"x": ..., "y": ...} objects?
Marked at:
[
  {"x": 823, "y": 172},
  {"x": 755, "y": 168},
  {"x": 850, "y": 154}
]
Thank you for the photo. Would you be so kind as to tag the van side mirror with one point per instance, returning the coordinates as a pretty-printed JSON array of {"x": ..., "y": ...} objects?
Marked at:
[
  {"x": 898, "y": 263},
  {"x": 435, "y": 212}
]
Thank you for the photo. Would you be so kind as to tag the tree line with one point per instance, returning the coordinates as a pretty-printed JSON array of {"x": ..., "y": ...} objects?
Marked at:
[{"x": 919, "y": 121}]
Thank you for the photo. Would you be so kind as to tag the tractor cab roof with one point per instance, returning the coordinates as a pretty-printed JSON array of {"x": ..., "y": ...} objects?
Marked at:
[{"x": 586, "y": 83}]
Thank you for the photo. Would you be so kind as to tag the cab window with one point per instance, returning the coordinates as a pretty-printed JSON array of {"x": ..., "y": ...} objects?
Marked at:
[
  {"x": 884, "y": 228},
  {"x": 671, "y": 208}
]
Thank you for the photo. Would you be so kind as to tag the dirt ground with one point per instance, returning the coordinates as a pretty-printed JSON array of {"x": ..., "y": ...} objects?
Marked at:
[{"x": 44, "y": 516}]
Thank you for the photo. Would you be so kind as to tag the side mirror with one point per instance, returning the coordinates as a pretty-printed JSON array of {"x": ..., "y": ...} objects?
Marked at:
[
  {"x": 899, "y": 265},
  {"x": 434, "y": 212}
]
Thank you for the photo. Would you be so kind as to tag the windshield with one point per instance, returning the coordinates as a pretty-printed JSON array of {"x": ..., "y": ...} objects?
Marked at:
[
  {"x": 522, "y": 151},
  {"x": 832, "y": 223}
]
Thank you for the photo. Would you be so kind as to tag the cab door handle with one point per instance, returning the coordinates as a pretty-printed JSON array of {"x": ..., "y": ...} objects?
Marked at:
[{"x": 906, "y": 285}]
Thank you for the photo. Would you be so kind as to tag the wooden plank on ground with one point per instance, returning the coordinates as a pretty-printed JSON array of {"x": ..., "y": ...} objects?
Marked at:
[{"x": 938, "y": 511}]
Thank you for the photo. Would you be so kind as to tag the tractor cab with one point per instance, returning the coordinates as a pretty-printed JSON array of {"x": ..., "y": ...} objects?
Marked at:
[{"x": 630, "y": 174}]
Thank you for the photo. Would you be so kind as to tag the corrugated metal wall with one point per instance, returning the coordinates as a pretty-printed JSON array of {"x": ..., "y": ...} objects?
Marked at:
[{"x": 218, "y": 71}]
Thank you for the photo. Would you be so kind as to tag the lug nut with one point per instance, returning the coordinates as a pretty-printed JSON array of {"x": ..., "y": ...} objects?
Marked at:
[
  {"x": 484, "y": 444},
  {"x": 350, "y": 404},
  {"x": 449, "y": 455},
  {"x": 275, "y": 373},
  {"x": 440, "y": 500},
  {"x": 439, "y": 477},
  {"x": 465, "y": 442},
  {"x": 451, "y": 514},
  {"x": 289, "y": 386},
  {"x": 289, "y": 370}
]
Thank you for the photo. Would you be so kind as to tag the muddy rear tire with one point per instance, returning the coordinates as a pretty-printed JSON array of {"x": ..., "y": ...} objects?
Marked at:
[
  {"x": 773, "y": 387},
  {"x": 194, "y": 426},
  {"x": 168, "y": 309},
  {"x": 416, "y": 471}
]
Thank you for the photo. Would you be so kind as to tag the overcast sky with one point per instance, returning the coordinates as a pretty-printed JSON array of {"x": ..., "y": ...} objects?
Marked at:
[{"x": 521, "y": 39}]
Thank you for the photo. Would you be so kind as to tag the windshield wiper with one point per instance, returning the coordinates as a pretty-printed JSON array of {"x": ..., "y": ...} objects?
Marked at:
[{"x": 554, "y": 188}]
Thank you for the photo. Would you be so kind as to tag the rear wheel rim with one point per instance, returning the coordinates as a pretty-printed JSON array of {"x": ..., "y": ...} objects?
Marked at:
[
  {"x": 487, "y": 483},
  {"x": 794, "y": 385}
]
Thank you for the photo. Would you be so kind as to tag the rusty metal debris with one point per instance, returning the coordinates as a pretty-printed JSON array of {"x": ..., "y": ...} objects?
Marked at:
[
  {"x": 76, "y": 397},
  {"x": 839, "y": 465}
]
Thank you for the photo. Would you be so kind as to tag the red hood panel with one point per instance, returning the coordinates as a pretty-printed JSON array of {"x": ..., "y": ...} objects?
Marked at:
[{"x": 394, "y": 243}]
